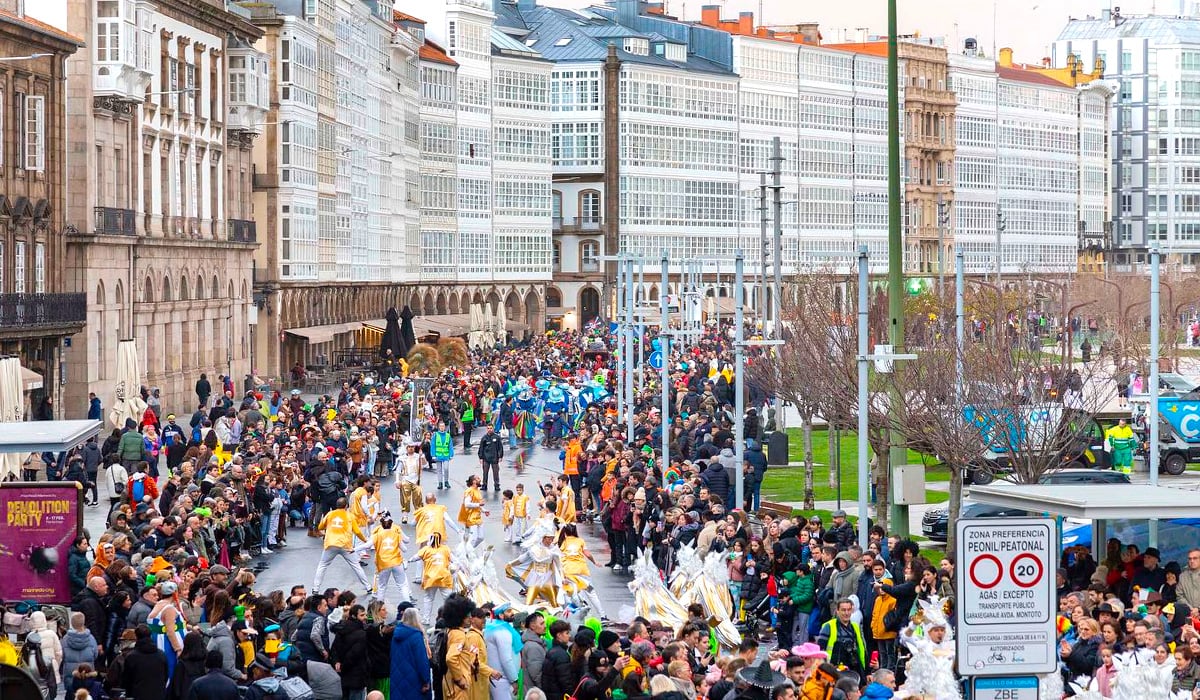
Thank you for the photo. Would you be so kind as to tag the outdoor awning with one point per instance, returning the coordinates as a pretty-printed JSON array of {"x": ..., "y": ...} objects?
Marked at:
[
  {"x": 46, "y": 435},
  {"x": 30, "y": 380},
  {"x": 723, "y": 305},
  {"x": 559, "y": 311},
  {"x": 442, "y": 324},
  {"x": 323, "y": 334},
  {"x": 378, "y": 325},
  {"x": 1092, "y": 501}
]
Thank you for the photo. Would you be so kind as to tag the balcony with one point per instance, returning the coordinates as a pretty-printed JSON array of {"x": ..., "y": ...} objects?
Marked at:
[
  {"x": 577, "y": 224},
  {"x": 266, "y": 181},
  {"x": 23, "y": 311},
  {"x": 242, "y": 231},
  {"x": 115, "y": 222}
]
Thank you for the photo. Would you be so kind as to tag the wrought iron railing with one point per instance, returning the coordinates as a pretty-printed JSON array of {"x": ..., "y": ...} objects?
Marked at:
[
  {"x": 39, "y": 310},
  {"x": 121, "y": 222}
]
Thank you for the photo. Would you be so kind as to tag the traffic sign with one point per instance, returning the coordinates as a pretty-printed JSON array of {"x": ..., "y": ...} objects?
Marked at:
[
  {"x": 1011, "y": 688},
  {"x": 1006, "y": 601},
  {"x": 656, "y": 359}
]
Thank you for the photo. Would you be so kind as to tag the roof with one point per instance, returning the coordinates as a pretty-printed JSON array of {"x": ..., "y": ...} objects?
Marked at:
[
  {"x": 40, "y": 26},
  {"x": 504, "y": 44},
  {"x": 872, "y": 48},
  {"x": 432, "y": 52},
  {"x": 46, "y": 435},
  {"x": 1158, "y": 30},
  {"x": 1027, "y": 76},
  {"x": 1091, "y": 501},
  {"x": 398, "y": 16},
  {"x": 564, "y": 35}
]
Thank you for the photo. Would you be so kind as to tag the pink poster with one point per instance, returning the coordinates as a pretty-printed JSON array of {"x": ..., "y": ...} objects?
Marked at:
[{"x": 38, "y": 521}]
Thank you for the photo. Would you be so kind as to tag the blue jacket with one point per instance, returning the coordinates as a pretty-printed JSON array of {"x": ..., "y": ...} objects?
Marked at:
[
  {"x": 95, "y": 410},
  {"x": 410, "y": 665}
]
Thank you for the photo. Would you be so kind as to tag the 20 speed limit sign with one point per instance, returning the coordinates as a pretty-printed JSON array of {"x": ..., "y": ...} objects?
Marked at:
[{"x": 1006, "y": 596}]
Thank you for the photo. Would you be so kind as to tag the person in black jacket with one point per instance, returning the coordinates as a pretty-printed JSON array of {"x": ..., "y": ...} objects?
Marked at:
[
  {"x": 491, "y": 450},
  {"x": 145, "y": 674},
  {"x": 904, "y": 593},
  {"x": 349, "y": 651},
  {"x": 558, "y": 676},
  {"x": 91, "y": 603},
  {"x": 213, "y": 685},
  {"x": 189, "y": 668},
  {"x": 379, "y": 643},
  {"x": 602, "y": 676}
]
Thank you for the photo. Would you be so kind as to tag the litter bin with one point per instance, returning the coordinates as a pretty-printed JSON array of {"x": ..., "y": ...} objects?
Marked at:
[{"x": 777, "y": 449}]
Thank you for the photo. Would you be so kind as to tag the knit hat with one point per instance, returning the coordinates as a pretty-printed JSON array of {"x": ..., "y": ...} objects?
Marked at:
[{"x": 607, "y": 638}]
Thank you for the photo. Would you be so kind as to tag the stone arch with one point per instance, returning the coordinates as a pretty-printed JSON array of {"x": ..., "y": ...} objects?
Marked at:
[
  {"x": 554, "y": 298},
  {"x": 245, "y": 291},
  {"x": 513, "y": 306},
  {"x": 148, "y": 290},
  {"x": 199, "y": 287},
  {"x": 493, "y": 298},
  {"x": 427, "y": 308},
  {"x": 652, "y": 295},
  {"x": 183, "y": 288},
  {"x": 589, "y": 304},
  {"x": 231, "y": 290},
  {"x": 532, "y": 308},
  {"x": 165, "y": 293},
  {"x": 441, "y": 304},
  {"x": 119, "y": 295},
  {"x": 214, "y": 290},
  {"x": 477, "y": 298},
  {"x": 99, "y": 300}
]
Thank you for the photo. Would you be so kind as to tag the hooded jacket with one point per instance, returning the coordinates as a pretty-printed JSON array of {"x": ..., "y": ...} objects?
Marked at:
[
  {"x": 845, "y": 581},
  {"x": 52, "y": 651},
  {"x": 77, "y": 648},
  {"x": 220, "y": 638},
  {"x": 350, "y": 650},
  {"x": 716, "y": 478},
  {"x": 533, "y": 657},
  {"x": 145, "y": 674},
  {"x": 409, "y": 664}
]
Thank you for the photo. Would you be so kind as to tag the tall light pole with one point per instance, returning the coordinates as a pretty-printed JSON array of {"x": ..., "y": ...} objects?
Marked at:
[
  {"x": 897, "y": 452},
  {"x": 777, "y": 252},
  {"x": 664, "y": 347},
  {"x": 1152, "y": 452},
  {"x": 739, "y": 379},
  {"x": 863, "y": 401}
]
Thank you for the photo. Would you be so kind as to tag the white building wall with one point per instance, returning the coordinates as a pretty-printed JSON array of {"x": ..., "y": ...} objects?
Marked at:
[
  {"x": 976, "y": 85},
  {"x": 437, "y": 245}
]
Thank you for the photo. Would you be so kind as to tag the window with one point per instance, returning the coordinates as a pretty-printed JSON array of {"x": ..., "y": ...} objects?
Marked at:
[
  {"x": 35, "y": 130},
  {"x": 589, "y": 207},
  {"x": 589, "y": 254},
  {"x": 19, "y": 268},
  {"x": 39, "y": 268},
  {"x": 556, "y": 206},
  {"x": 556, "y": 261},
  {"x": 1126, "y": 61},
  {"x": 108, "y": 30},
  {"x": 1, "y": 267},
  {"x": 553, "y": 297}
]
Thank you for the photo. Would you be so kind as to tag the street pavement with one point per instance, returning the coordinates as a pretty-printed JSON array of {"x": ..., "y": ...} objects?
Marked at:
[{"x": 296, "y": 563}]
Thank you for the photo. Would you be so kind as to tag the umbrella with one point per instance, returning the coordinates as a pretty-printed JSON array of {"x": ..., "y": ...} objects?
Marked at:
[
  {"x": 408, "y": 337},
  {"x": 391, "y": 335},
  {"x": 129, "y": 402},
  {"x": 501, "y": 323},
  {"x": 489, "y": 323},
  {"x": 476, "y": 317},
  {"x": 11, "y": 408}
]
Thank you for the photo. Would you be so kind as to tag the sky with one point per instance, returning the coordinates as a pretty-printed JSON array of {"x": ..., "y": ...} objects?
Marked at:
[{"x": 1027, "y": 26}]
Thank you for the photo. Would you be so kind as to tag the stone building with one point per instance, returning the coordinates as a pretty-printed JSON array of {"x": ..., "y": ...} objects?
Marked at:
[
  {"x": 163, "y": 107},
  {"x": 39, "y": 316}
]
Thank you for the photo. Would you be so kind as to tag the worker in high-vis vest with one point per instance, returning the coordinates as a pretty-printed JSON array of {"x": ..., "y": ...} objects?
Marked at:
[
  {"x": 466, "y": 415},
  {"x": 842, "y": 639},
  {"x": 436, "y": 577},
  {"x": 441, "y": 447},
  {"x": 1120, "y": 442},
  {"x": 388, "y": 543},
  {"x": 340, "y": 528},
  {"x": 471, "y": 512}
]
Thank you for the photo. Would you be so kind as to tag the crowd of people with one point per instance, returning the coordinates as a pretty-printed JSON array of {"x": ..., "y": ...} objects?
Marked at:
[{"x": 166, "y": 606}]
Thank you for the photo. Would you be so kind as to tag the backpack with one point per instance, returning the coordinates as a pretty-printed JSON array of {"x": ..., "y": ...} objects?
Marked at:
[
  {"x": 295, "y": 688},
  {"x": 329, "y": 485},
  {"x": 138, "y": 490},
  {"x": 437, "y": 650}
]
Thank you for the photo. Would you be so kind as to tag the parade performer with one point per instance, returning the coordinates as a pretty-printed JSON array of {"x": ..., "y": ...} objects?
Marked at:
[
  {"x": 408, "y": 479},
  {"x": 565, "y": 503},
  {"x": 506, "y": 514},
  {"x": 364, "y": 504},
  {"x": 1120, "y": 442},
  {"x": 577, "y": 577},
  {"x": 471, "y": 512},
  {"x": 520, "y": 513},
  {"x": 431, "y": 519},
  {"x": 542, "y": 565},
  {"x": 930, "y": 672},
  {"x": 388, "y": 542},
  {"x": 475, "y": 575},
  {"x": 436, "y": 577},
  {"x": 442, "y": 448},
  {"x": 340, "y": 528}
]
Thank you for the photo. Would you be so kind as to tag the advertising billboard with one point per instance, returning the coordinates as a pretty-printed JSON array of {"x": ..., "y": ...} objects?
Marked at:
[{"x": 38, "y": 521}]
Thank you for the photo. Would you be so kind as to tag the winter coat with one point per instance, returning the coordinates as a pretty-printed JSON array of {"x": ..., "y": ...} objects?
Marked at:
[
  {"x": 52, "y": 651},
  {"x": 845, "y": 581},
  {"x": 95, "y": 614},
  {"x": 220, "y": 638},
  {"x": 324, "y": 681},
  {"x": 716, "y": 479},
  {"x": 77, "y": 570},
  {"x": 77, "y": 648},
  {"x": 91, "y": 457},
  {"x": 379, "y": 649},
  {"x": 214, "y": 685},
  {"x": 558, "y": 675},
  {"x": 1188, "y": 588},
  {"x": 1084, "y": 657},
  {"x": 409, "y": 665},
  {"x": 187, "y": 672},
  {"x": 350, "y": 650},
  {"x": 132, "y": 447},
  {"x": 533, "y": 658},
  {"x": 145, "y": 674},
  {"x": 491, "y": 448},
  {"x": 757, "y": 459}
]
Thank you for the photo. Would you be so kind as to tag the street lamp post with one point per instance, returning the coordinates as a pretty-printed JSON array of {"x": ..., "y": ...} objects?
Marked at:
[{"x": 898, "y": 452}]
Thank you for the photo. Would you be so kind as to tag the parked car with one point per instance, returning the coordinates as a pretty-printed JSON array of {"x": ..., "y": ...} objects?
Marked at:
[{"x": 936, "y": 521}]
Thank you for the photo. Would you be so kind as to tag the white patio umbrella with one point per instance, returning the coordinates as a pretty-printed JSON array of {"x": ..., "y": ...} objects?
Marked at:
[
  {"x": 128, "y": 403},
  {"x": 12, "y": 400},
  {"x": 489, "y": 324},
  {"x": 501, "y": 323}
]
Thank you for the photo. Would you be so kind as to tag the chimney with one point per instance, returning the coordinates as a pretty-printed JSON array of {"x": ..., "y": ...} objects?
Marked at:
[
  {"x": 710, "y": 15},
  {"x": 627, "y": 11},
  {"x": 746, "y": 23},
  {"x": 526, "y": 5},
  {"x": 1006, "y": 57}
]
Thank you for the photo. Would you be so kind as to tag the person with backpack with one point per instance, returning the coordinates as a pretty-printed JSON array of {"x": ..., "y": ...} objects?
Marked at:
[{"x": 140, "y": 485}]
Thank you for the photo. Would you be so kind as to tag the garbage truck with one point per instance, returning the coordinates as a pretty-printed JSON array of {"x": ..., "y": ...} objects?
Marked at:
[
  {"x": 1074, "y": 436},
  {"x": 1178, "y": 430}
]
